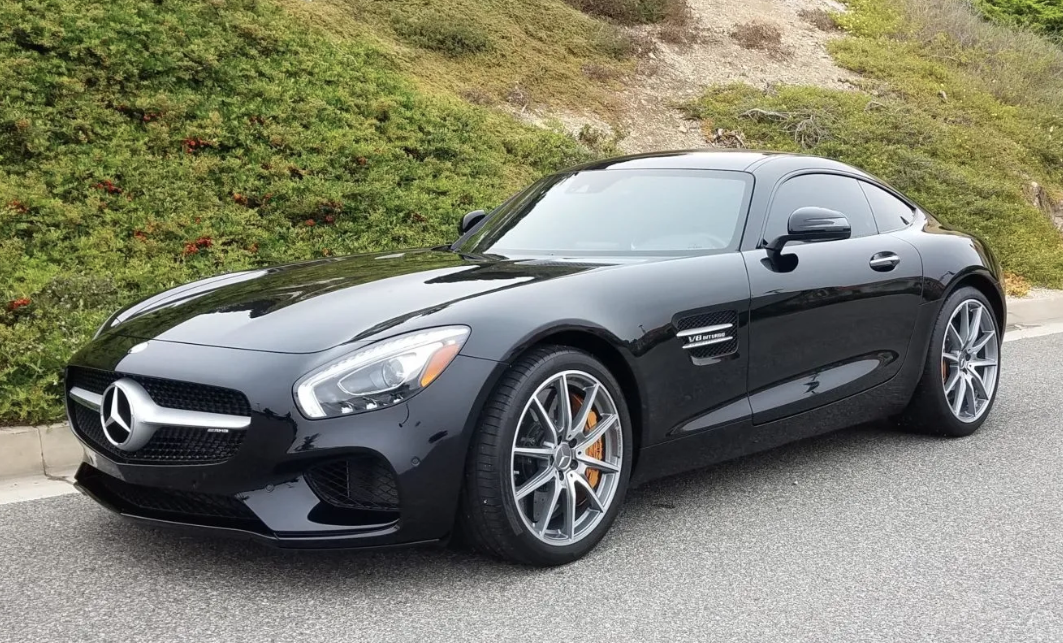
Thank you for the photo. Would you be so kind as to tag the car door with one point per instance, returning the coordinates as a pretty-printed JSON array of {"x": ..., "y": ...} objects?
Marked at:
[
  {"x": 838, "y": 322},
  {"x": 693, "y": 309}
]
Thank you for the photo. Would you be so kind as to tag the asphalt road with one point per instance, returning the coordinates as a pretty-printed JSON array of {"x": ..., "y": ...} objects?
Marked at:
[{"x": 864, "y": 535}]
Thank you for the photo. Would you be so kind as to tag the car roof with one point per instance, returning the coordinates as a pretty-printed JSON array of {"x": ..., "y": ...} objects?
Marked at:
[{"x": 733, "y": 160}]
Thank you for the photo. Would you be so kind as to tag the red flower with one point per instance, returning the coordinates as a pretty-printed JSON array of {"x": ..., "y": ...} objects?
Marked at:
[
  {"x": 192, "y": 247},
  {"x": 108, "y": 187},
  {"x": 330, "y": 219},
  {"x": 139, "y": 234},
  {"x": 192, "y": 144},
  {"x": 309, "y": 222},
  {"x": 18, "y": 206},
  {"x": 18, "y": 303}
]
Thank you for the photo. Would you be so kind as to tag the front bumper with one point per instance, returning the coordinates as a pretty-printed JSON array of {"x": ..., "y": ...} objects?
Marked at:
[{"x": 402, "y": 466}]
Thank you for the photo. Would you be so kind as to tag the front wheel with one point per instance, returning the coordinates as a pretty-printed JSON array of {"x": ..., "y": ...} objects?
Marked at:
[
  {"x": 550, "y": 462},
  {"x": 959, "y": 382}
]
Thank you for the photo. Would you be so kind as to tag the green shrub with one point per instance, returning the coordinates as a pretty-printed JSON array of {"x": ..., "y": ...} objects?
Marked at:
[
  {"x": 487, "y": 46},
  {"x": 633, "y": 12},
  {"x": 1044, "y": 15},
  {"x": 1017, "y": 66},
  {"x": 445, "y": 34},
  {"x": 143, "y": 145}
]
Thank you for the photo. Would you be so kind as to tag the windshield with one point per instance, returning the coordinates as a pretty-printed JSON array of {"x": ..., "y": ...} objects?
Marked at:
[{"x": 620, "y": 212}]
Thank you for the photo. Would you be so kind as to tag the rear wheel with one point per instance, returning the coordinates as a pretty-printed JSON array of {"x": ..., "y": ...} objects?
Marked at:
[
  {"x": 959, "y": 382},
  {"x": 549, "y": 465}
]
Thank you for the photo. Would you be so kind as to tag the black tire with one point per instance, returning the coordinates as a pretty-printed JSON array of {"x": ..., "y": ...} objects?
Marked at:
[
  {"x": 928, "y": 411},
  {"x": 488, "y": 517}
]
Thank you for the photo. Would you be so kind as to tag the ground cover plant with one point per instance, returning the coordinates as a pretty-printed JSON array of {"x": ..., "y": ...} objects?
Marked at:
[{"x": 143, "y": 145}]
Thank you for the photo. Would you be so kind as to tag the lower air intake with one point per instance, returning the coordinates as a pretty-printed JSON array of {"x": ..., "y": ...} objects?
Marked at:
[{"x": 364, "y": 483}]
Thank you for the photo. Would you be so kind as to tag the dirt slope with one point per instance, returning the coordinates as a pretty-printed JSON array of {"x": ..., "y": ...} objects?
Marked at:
[{"x": 679, "y": 72}]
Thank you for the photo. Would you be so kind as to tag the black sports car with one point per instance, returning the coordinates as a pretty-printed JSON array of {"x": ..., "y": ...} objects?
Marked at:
[{"x": 610, "y": 324}]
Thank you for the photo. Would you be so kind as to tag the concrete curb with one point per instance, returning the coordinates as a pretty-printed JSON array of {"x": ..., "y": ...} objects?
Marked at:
[
  {"x": 1044, "y": 309},
  {"x": 37, "y": 450},
  {"x": 50, "y": 449}
]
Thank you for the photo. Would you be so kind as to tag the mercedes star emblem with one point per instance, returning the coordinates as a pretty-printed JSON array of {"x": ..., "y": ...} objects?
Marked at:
[
  {"x": 125, "y": 415},
  {"x": 116, "y": 415}
]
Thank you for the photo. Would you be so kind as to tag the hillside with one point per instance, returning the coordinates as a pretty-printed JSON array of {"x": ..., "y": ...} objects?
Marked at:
[
  {"x": 143, "y": 145},
  {"x": 963, "y": 115}
]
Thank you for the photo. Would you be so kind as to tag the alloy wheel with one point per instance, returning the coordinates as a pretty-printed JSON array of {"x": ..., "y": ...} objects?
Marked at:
[
  {"x": 567, "y": 458},
  {"x": 970, "y": 355}
]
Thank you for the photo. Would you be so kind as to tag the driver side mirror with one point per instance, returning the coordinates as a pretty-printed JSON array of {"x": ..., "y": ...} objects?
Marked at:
[
  {"x": 813, "y": 224},
  {"x": 469, "y": 221},
  {"x": 808, "y": 224}
]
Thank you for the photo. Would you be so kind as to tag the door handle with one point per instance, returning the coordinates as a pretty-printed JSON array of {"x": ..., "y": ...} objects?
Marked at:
[{"x": 884, "y": 261}]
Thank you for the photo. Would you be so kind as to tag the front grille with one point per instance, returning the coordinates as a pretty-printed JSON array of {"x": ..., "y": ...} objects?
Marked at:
[
  {"x": 712, "y": 319},
  {"x": 173, "y": 394},
  {"x": 363, "y": 482},
  {"x": 168, "y": 504},
  {"x": 172, "y": 445}
]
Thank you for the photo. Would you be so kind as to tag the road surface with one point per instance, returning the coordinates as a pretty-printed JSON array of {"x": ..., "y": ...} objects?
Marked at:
[{"x": 864, "y": 535}]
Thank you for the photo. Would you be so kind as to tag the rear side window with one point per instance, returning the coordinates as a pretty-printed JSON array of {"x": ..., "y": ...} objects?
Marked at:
[
  {"x": 890, "y": 212},
  {"x": 839, "y": 193}
]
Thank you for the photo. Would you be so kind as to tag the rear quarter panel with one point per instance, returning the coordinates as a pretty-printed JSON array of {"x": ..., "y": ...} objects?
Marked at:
[{"x": 951, "y": 256}]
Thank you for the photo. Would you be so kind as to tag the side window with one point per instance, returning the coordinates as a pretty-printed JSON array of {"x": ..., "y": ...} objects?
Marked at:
[
  {"x": 890, "y": 212},
  {"x": 839, "y": 193}
]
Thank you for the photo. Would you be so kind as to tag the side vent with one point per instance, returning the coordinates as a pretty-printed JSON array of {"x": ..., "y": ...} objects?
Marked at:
[{"x": 709, "y": 335}]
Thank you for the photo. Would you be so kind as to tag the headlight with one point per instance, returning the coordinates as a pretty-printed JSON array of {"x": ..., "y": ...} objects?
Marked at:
[{"x": 379, "y": 375}]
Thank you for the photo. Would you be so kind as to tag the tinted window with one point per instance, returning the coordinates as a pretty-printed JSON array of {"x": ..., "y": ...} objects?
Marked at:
[
  {"x": 890, "y": 212},
  {"x": 838, "y": 193},
  {"x": 625, "y": 212}
]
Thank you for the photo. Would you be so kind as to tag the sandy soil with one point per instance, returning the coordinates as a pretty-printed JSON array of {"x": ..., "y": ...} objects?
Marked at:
[
  {"x": 678, "y": 73},
  {"x": 675, "y": 73}
]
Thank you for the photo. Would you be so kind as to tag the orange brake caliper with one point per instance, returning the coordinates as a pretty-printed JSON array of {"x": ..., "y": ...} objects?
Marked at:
[{"x": 596, "y": 450}]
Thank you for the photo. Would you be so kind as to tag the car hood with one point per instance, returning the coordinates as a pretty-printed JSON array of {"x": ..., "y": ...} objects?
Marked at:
[{"x": 311, "y": 307}]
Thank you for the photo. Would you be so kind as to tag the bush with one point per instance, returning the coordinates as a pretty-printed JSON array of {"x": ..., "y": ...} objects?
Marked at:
[
  {"x": 149, "y": 144},
  {"x": 634, "y": 12},
  {"x": 819, "y": 18},
  {"x": 1017, "y": 66},
  {"x": 443, "y": 34},
  {"x": 490, "y": 45},
  {"x": 759, "y": 35},
  {"x": 1043, "y": 15}
]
